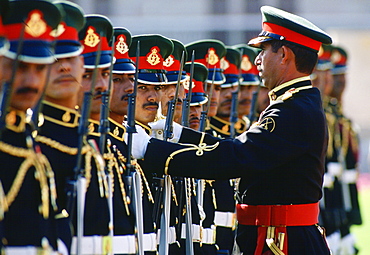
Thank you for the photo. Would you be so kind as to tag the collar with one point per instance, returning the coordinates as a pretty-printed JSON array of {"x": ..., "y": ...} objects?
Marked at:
[
  {"x": 290, "y": 87},
  {"x": 147, "y": 129},
  {"x": 60, "y": 115},
  {"x": 16, "y": 121},
  {"x": 116, "y": 130}
]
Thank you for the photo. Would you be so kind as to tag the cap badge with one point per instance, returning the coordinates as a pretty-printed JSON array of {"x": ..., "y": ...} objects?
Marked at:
[
  {"x": 91, "y": 38},
  {"x": 58, "y": 31},
  {"x": 246, "y": 65},
  {"x": 224, "y": 64},
  {"x": 153, "y": 58},
  {"x": 121, "y": 46},
  {"x": 212, "y": 57},
  {"x": 187, "y": 84},
  {"x": 169, "y": 61},
  {"x": 36, "y": 26},
  {"x": 335, "y": 57}
]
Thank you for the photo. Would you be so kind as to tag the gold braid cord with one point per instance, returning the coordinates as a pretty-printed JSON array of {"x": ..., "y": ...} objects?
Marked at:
[
  {"x": 140, "y": 171},
  {"x": 200, "y": 149},
  {"x": 89, "y": 153},
  {"x": 43, "y": 174}
]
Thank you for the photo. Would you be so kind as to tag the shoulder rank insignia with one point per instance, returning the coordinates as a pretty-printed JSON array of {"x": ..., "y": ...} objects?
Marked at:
[
  {"x": 268, "y": 124},
  {"x": 288, "y": 94}
]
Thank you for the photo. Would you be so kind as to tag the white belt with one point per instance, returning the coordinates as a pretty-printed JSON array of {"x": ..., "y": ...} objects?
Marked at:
[
  {"x": 334, "y": 168},
  {"x": 27, "y": 250},
  {"x": 95, "y": 244},
  {"x": 349, "y": 176},
  {"x": 209, "y": 235},
  {"x": 195, "y": 230},
  {"x": 150, "y": 242},
  {"x": 171, "y": 235},
  {"x": 224, "y": 219}
]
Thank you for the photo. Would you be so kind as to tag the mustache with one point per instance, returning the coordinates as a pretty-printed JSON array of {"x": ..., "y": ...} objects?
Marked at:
[
  {"x": 25, "y": 90},
  {"x": 97, "y": 93},
  {"x": 150, "y": 104},
  {"x": 245, "y": 101},
  {"x": 194, "y": 118},
  {"x": 227, "y": 101},
  {"x": 124, "y": 97}
]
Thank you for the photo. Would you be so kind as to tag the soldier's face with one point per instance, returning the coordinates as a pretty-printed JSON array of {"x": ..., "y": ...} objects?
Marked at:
[
  {"x": 245, "y": 98},
  {"x": 214, "y": 98},
  {"x": 269, "y": 65},
  {"x": 123, "y": 85},
  {"x": 65, "y": 81},
  {"x": 147, "y": 102},
  {"x": 101, "y": 85},
  {"x": 28, "y": 83},
  {"x": 194, "y": 116},
  {"x": 224, "y": 107},
  {"x": 323, "y": 81},
  {"x": 339, "y": 84},
  {"x": 168, "y": 94}
]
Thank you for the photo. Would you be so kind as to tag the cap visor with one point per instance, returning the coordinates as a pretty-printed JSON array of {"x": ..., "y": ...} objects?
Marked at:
[{"x": 256, "y": 42}]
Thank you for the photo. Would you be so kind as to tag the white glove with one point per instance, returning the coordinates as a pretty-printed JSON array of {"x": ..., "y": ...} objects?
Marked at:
[
  {"x": 347, "y": 245},
  {"x": 158, "y": 130},
  {"x": 333, "y": 241},
  {"x": 140, "y": 142}
]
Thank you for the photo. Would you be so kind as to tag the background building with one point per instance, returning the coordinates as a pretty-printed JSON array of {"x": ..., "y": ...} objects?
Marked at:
[{"x": 236, "y": 21}]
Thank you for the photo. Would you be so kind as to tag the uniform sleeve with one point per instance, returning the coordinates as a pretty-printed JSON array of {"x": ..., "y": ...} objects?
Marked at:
[{"x": 276, "y": 139}]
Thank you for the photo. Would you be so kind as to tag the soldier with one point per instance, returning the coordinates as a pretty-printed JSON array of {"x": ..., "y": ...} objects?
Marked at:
[
  {"x": 58, "y": 135},
  {"x": 172, "y": 66},
  {"x": 154, "y": 49},
  {"x": 348, "y": 153},
  {"x": 250, "y": 83},
  {"x": 280, "y": 159},
  {"x": 27, "y": 185}
]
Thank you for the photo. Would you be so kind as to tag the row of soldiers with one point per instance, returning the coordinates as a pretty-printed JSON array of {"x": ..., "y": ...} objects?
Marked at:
[
  {"x": 69, "y": 180},
  {"x": 339, "y": 206},
  {"x": 65, "y": 181}
]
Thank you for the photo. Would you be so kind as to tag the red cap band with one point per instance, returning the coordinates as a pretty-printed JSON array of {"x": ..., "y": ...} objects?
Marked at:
[
  {"x": 291, "y": 36},
  {"x": 153, "y": 60}
]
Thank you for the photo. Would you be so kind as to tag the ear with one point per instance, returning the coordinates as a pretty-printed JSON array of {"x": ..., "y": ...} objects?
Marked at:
[{"x": 286, "y": 54}]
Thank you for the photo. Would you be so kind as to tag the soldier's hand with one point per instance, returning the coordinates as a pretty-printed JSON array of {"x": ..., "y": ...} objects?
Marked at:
[
  {"x": 158, "y": 129},
  {"x": 140, "y": 141}
]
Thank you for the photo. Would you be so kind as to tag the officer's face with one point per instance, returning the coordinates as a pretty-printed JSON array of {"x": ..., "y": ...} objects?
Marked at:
[
  {"x": 65, "y": 81},
  {"x": 147, "y": 102},
  {"x": 123, "y": 85},
  {"x": 224, "y": 107},
  {"x": 245, "y": 98},
  {"x": 101, "y": 85},
  {"x": 194, "y": 116},
  {"x": 168, "y": 94},
  {"x": 28, "y": 83},
  {"x": 323, "y": 81},
  {"x": 269, "y": 65},
  {"x": 214, "y": 98}
]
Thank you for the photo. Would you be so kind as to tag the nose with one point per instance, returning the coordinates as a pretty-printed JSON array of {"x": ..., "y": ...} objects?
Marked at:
[
  {"x": 153, "y": 96},
  {"x": 63, "y": 65},
  {"x": 257, "y": 61},
  {"x": 101, "y": 83}
]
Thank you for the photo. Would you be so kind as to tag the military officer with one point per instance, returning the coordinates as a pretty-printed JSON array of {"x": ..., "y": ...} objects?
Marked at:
[
  {"x": 280, "y": 159},
  {"x": 27, "y": 185}
]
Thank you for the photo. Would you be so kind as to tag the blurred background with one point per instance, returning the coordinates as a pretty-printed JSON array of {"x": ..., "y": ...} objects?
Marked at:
[{"x": 237, "y": 21}]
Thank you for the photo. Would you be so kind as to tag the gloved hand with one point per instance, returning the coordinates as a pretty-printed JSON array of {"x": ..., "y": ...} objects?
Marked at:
[
  {"x": 140, "y": 142},
  {"x": 347, "y": 245},
  {"x": 333, "y": 241},
  {"x": 158, "y": 130}
]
